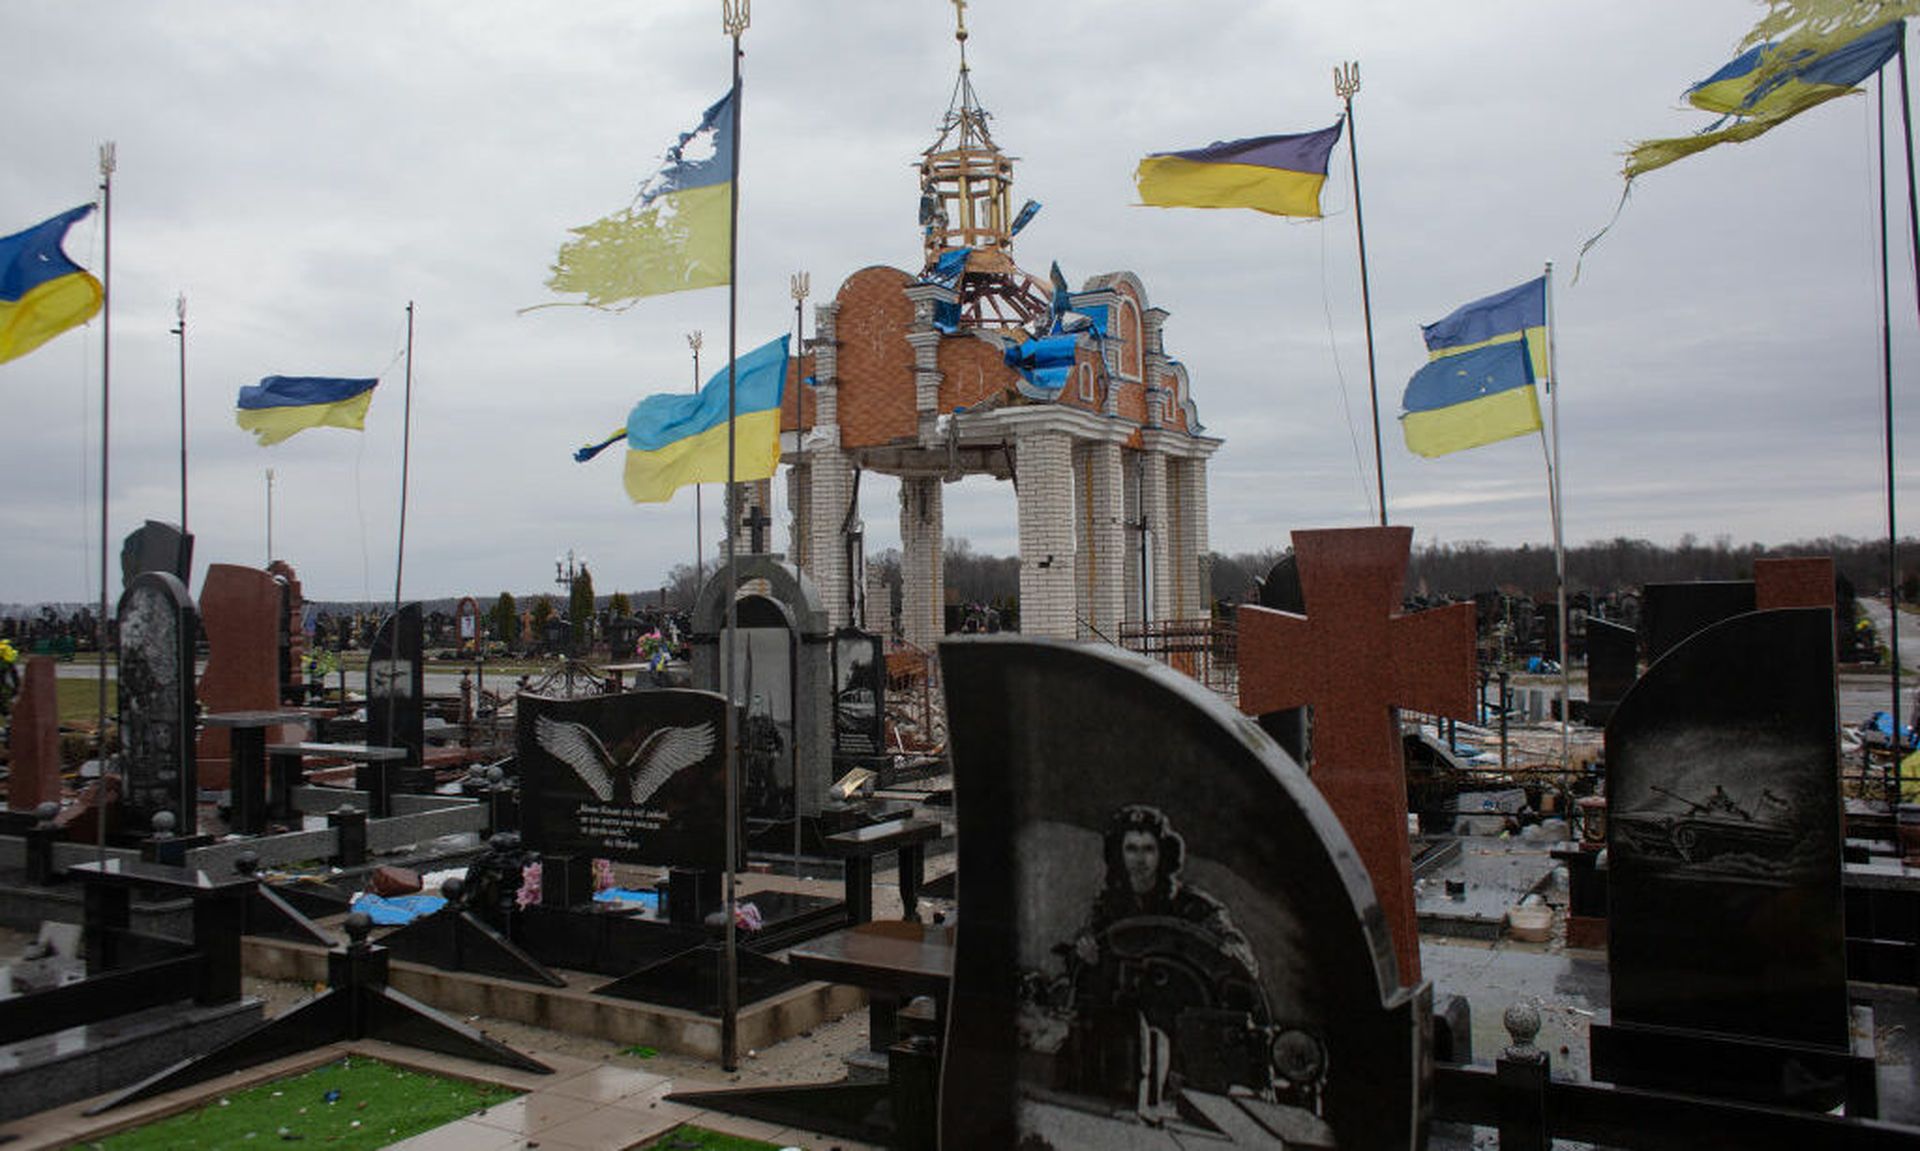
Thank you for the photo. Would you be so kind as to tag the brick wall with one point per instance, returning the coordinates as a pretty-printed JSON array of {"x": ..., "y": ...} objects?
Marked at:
[{"x": 1047, "y": 561}]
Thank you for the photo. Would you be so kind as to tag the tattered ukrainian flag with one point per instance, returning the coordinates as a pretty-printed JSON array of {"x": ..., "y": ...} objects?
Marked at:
[
  {"x": 673, "y": 237},
  {"x": 1477, "y": 387},
  {"x": 675, "y": 439},
  {"x": 279, "y": 406},
  {"x": 42, "y": 292},
  {"x": 1280, "y": 175}
]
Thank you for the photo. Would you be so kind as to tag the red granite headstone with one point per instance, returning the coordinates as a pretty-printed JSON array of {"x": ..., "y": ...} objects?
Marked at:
[
  {"x": 241, "y": 611},
  {"x": 34, "y": 765},
  {"x": 1355, "y": 659},
  {"x": 1799, "y": 582}
]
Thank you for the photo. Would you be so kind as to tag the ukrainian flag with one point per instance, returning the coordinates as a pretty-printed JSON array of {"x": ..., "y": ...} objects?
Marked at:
[
  {"x": 673, "y": 237},
  {"x": 1281, "y": 175},
  {"x": 679, "y": 439},
  {"x": 279, "y": 406},
  {"x": 1477, "y": 387},
  {"x": 42, "y": 293}
]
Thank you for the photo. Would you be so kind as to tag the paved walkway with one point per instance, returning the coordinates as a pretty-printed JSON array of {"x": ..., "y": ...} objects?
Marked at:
[{"x": 582, "y": 1106}]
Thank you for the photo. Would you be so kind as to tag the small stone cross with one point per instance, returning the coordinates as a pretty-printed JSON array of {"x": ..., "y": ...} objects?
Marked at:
[
  {"x": 757, "y": 522},
  {"x": 1355, "y": 659}
]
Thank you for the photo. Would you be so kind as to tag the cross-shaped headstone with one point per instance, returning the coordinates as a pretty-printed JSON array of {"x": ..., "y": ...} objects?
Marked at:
[
  {"x": 1354, "y": 660},
  {"x": 757, "y": 522}
]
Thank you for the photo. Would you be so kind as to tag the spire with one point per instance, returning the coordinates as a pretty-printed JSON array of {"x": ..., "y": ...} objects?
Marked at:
[{"x": 966, "y": 192}]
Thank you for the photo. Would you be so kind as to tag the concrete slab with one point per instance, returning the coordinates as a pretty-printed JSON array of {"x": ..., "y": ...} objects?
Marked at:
[{"x": 1494, "y": 874}]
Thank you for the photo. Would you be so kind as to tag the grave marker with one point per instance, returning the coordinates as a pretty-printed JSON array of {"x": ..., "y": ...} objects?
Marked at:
[
  {"x": 34, "y": 758},
  {"x": 244, "y": 615},
  {"x": 1165, "y": 935},
  {"x": 1355, "y": 659},
  {"x": 1725, "y": 923},
  {"x": 859, "y": 693},
  {"x": 157, "y": 629},
  {"x": 396, "y": 685},
  {"x": 156, "y": 547}
]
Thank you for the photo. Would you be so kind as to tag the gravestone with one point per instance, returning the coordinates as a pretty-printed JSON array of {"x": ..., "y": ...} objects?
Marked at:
[
  {"x": 33, "y": 762},
  {"x": 623, "y": 638},
  {"x": 293, "y": 634},
  {"x": 1289, "y": 726},
  {"x": 635, "y": 777},
  {"x": 467, "y": 624},
  {"x": 1613, "y": 663},
  {"x": 1355, "y": 659},
  {"x": 556, "y": 636},
  {"x": 1670, "y": 612},
  {"x": 1166, "y": 938},
  {"x": 243, "y": 612},
  {"x": 157, "y": 630},
  {"x": 859, "y": 694},
  {"x": 396, "y": 685},
  {"x": 1724, "y": 925},
  {"x": 156, "y": 547},
  {"x": 791, "y": 659}
]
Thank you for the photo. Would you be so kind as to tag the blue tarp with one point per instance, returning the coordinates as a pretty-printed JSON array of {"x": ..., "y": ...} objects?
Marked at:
[
  {"x": 398, "y": 910},
  {"x": 647, "y": 899},
  {"x": 1044, "y": 364}
]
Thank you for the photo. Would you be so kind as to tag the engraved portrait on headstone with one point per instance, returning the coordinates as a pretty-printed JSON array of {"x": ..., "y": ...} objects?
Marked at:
[{"x": 157, "y": 624}]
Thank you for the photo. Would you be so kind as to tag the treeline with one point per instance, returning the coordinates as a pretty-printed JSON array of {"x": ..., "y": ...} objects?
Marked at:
[{"x": 1603, "y": 566}]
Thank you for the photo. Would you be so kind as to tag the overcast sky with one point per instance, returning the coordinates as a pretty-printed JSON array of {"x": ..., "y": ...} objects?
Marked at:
[{"x": 301, "y": 171}]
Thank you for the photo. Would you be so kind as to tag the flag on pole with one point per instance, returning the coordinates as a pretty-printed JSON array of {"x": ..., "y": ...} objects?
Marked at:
[
  {"x": 279, "y": 406},
  {"x": 1477, "y": 386},
  {"x": 1281, "y": 175},
  {"x": 42, "y": 292},
  {"x": 675, "y": 439},
  {"x": 1771, "y": 83},
  {"x": 672, "y": 238}
]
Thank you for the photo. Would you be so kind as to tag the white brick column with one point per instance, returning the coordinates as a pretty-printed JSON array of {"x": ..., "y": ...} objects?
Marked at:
[
  {"x": 879, "y": 604},
  {"x": 1193, "y": 502},
  {"x": 925, "y": 340},
  {"x": 1154, "y": 492},
  {"x": 830, "y": 474},
  {"x": 1044, "y": 460},
  {"x": 923, "y": 595},
  {"x": 1130, "y": 534},
  {"x": 1099, "y": 512}
]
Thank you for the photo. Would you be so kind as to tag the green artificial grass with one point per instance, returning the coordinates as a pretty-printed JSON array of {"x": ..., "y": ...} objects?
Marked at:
[
  {"x": 690, "y": 1138},
  {"x": 377, "y": 1104}
]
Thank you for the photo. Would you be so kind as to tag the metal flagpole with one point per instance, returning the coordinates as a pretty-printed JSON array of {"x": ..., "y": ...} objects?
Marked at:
[
  {"x": 735, "y": 15},
  {"x": 798, "y": 286},
  {"x": 400, "y": 547},
  {"x": 107, "y": 165},
  {"x": 1895, "y": 712},
  {"x": 180, "y": 309},
  {"x": 1559, "y": 547},
  {"x": 1346, "y": 82},
  {"x": 699, "y": 542},
  {"x": 1913, "y": 239}
]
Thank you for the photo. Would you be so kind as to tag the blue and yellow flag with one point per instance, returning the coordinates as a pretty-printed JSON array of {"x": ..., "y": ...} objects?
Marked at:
[
  {"x": 42, "y": 292},
  {"x": 672, "y": 238},
  {"x": 1477, "y": 387},
  {"x": 1280, "y": 175},
  {"x": 279, "y": 406},
  {"x": 675, "y": 439},
  {"x": 1769, "y": 84}
]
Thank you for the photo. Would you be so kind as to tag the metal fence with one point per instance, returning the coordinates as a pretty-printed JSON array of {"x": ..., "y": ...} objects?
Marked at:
[{"x": 1205, "y": 648}]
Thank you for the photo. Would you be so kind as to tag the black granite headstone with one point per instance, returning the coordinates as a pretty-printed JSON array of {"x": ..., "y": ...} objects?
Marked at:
[
  {"x": 157, "y": 629},
  {"x": 1670, "y": 612},
  {"x": 1613, "y": 662},
  {"x": 859, "y": 693},
  {"x": 1724, "y": 830},
  {"x": 1165, "y": 937},
  {"x": 396, "y": 685},
  {"x": 1291, "y": 727},
  {"x": 156, "y": 547},
  {"x": 636, "y": 777}
]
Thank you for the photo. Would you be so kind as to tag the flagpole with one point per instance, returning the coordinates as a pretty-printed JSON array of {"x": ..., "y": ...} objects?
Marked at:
[
  {"x": 1913, "y": 239},
  {"x": 699, "y": 543},
  {"x": 735, "y": 15},
  {"x": 400, "y": 547},
  {"x": 180, "y": 330},
  {"x": 1346, "y": 82},
  {"x": 107, "y": 165},
  {"x": 1559, "y": 547}
]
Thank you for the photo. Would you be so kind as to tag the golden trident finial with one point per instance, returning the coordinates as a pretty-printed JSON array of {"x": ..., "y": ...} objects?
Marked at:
[
  {"x": 693, "y": 341},
  {"x": 801, "y": 284},
  {"x": 735, "y": 15},
  {"x": 1346, "y": 80},
  {"x": 108, "y": 160}
]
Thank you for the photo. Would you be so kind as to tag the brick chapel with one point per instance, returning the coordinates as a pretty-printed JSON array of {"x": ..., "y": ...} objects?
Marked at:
[{"x": 927, "y": 375}]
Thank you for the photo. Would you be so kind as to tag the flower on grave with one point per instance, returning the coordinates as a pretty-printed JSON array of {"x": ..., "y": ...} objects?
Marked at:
[
  {"x": 602, "y": 874},
  {"x": 746, "y": 916},
  {"x": 529, "y": 893}
]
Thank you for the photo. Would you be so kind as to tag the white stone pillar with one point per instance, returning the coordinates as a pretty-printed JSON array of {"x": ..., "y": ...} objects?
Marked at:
[
  {"x": 923, "y": 596},
  {"x": 1106, "y": 538},
  {"x": 1154, "y": 493},
  {"x": 879, "y": 604},
  {"x": 800, "y": 515},
  {"x": 1044, "y": 460}
]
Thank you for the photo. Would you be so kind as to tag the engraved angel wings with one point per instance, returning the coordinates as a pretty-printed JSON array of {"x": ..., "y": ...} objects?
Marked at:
[{"x": 658, "y": 758}]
